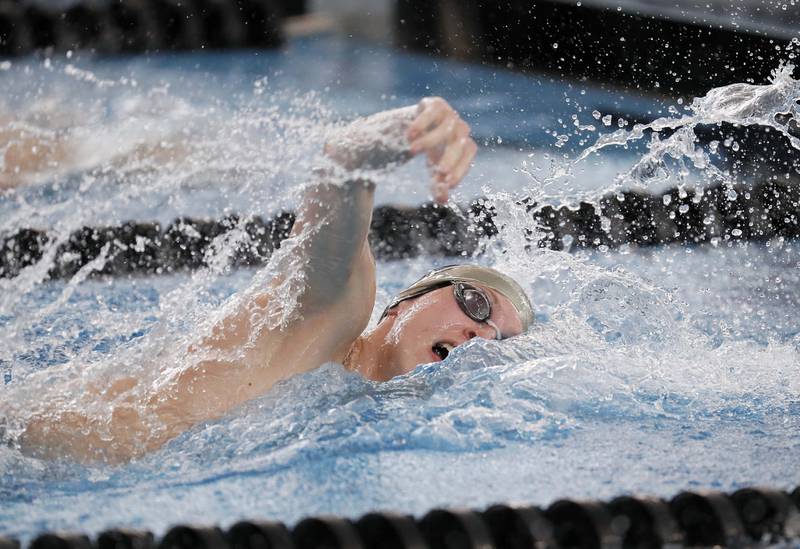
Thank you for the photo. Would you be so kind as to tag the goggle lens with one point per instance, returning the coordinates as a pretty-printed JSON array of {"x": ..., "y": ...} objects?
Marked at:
[{"x": 473, "y": 302}]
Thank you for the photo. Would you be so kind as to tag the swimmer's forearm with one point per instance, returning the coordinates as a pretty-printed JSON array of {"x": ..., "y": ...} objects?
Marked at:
[
  {"x": 334, "y": 219},
  {"x": 373, "y": 142}
]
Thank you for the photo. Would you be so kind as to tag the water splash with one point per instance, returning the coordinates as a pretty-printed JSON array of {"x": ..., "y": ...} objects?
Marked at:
[
  {"x": 773, "y": 105},
  {"x": 635, "y": 363}
]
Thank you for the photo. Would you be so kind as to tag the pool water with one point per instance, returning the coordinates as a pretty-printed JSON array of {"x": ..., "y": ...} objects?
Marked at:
[{"x": 647, "y": 371}]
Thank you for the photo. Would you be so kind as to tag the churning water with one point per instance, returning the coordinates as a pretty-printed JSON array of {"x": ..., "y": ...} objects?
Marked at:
[{"x": 648, "y": 370}]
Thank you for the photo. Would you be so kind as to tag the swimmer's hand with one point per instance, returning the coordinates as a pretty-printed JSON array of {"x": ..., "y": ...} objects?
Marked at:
[
  {"x": 440, "y": 133},
  {"x": 392, "y": 137}
]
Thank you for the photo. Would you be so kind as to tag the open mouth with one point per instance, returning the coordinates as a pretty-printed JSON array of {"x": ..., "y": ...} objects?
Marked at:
[{"x": 441, "y": 350}]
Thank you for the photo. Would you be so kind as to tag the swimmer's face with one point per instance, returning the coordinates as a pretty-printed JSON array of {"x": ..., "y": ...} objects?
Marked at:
[{"x": 425, "y": 329}]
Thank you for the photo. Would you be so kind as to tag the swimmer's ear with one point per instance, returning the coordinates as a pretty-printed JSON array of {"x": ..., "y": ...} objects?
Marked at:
[
  {"x": 402, "y": 306},
  {"x": 397, "y": 309},
  {"x": 393, "y": 312}
]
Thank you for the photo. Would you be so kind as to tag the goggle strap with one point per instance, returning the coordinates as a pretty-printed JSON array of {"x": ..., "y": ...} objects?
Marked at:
[{"x": 498, "y": 333}]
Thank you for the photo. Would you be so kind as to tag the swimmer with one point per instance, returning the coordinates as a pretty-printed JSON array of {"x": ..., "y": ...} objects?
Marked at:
[{"x": 243, "y": 357}]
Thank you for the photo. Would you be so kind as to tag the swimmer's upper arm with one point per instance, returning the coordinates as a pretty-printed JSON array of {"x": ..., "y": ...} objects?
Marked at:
[{"x": 334, "y": 219}]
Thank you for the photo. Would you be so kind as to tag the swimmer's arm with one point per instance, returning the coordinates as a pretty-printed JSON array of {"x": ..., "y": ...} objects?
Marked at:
[
  {"x": 336, "y": 217},
  {"x": 339, "y": 274},
  {"x": 27, "y": 152}
]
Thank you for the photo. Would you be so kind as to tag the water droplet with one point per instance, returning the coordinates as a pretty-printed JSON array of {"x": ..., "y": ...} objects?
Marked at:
[
  {"x": 666, "y": 199},
  {"x": 596, "y": 114},
  {"x": 607, "y": 120},
  {"x": 736, "y": 232},
  {"x": 555, "y": 45}
]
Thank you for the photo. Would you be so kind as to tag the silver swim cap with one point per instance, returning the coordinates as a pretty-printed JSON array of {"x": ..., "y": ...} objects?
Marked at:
[{"x": 477, "y": 276}]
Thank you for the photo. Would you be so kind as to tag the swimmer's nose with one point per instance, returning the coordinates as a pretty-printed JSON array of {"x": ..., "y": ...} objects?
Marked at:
[{"x": 480, "y": 330}]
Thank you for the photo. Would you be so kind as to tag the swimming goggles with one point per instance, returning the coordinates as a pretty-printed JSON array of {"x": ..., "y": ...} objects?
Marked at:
[{"x": 475, "y": 304}]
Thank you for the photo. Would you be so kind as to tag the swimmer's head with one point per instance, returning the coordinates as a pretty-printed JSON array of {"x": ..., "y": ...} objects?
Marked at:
[
  {"x": 476, "y": 275},
  {"x": 448, "y": 307}
]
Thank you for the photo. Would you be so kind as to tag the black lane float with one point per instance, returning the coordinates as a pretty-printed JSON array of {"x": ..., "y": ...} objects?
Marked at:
[
  {"x": 139, "y": 26},
  {"x": 746, "y": 518},
  {"x": 717, "y": 215}
]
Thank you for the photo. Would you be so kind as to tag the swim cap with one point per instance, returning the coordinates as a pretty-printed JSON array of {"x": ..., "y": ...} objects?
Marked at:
[{"x": 470, "y": 274}]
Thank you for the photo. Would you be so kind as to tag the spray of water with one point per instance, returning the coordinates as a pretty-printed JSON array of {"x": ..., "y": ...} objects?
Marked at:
[{"x": 674, "y": 151}]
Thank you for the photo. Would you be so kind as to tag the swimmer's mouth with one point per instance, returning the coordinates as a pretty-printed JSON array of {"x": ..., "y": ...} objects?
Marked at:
[{"x": 441, "y": 350}]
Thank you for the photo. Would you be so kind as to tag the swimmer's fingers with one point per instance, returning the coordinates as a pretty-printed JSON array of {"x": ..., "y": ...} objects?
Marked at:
[
  {"x": 432, "y": 110},
  {"x": 440, "y": 192},
  {"x": 460, "y": 146},
  {"x": 444, "y": 181},
  {"x": 464, "y": 164},
  {"x": 440, "y": 135}
]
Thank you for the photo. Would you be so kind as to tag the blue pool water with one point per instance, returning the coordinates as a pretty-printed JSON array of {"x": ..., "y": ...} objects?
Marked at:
[{"x": 647, "y": 371}]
